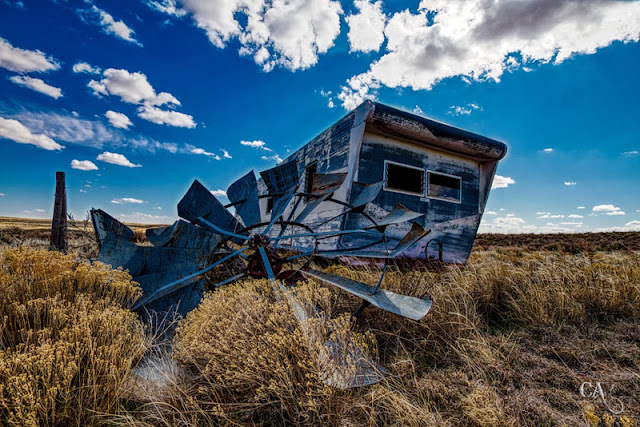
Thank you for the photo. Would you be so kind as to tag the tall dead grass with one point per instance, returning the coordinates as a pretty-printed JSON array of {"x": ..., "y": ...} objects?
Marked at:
[{"x": 67, "y": 339}]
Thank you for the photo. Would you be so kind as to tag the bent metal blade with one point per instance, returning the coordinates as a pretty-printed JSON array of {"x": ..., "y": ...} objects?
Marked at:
[{"x": 406, "y": 306}]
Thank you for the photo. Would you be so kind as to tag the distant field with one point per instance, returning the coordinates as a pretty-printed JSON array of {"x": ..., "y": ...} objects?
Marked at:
[{"x": 45, "y": 224}]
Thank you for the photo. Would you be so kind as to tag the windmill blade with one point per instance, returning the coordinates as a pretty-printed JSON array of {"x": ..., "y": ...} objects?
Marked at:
[
  {"x": 398, "y": 215},
  {"x": 415, "y": 234},
  {"x": 281, "y": 178},
  {"x": 364, "y": 193},
  {"x": 183, "y": 234},
  {"x": 243, "y": 194},
  {"x": 200, "y": 203},
  {"x": 310, "y": 207},
  {"x": 181, "y": 282},
  {"x": 406, "y": 306},
  {"x": 104, "y": 224}
]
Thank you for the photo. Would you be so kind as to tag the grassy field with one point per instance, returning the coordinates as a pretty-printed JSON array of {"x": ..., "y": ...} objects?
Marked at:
[{"x": 510, "y": 339}]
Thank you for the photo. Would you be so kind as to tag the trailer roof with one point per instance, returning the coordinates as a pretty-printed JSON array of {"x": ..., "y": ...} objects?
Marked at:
[{"x": 391, "y": 121}]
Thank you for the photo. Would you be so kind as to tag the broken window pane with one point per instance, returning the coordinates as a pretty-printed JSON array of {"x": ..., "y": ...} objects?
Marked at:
[
  {"x": 403, "y": 178},
  {"x": 442, "y": 186}
]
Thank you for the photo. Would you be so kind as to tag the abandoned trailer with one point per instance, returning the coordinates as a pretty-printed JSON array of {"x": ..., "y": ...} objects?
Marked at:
[
  {"x": 380, "y": 183},
  {"x": 438, "y": 175}
]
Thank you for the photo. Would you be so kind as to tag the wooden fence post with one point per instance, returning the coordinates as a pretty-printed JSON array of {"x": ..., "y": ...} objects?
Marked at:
[{"x": 59, "y": 222}]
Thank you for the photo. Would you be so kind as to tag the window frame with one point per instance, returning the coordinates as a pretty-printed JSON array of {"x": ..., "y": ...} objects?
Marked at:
[
  {"x": 395, "y": 190},
  {"x": 444, "y": 199}
]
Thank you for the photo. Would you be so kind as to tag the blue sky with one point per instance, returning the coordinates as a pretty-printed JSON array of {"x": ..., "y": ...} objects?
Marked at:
[{"x": 135, "y": 99}]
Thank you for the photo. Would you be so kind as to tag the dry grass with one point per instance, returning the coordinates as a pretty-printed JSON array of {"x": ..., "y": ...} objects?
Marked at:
[
  {"x": 509, "y": 340},
  {"x": 67, "y": 340}
]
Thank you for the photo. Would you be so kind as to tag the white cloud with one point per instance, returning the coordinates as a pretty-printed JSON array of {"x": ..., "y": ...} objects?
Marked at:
[
  {"x": 630, "y": 153},
  {"x": 145, "y": 218},
  {"x": 366, "y": 28},
  {"x": 38, "y": 85},
  {"x": 543, "y": 213},
  {"x": 290, "y": 34},
  {"x": 580, "y": 207},
  {"x": 91, "y": 133},
  {"x": 490, "y": 213},
  {"x": 502, "y": 182},
  {"x": 165, "y": 117},
  {"x": 17, "y": 132},
  {"x": 359, "y": 88},
  {"x": 25, "y": 61},
  {"x": 83, "y": 67},
  {"x": 575, "y": 216},
  {"x": 476, "y": 39},
  {"x": 225, "y": 154},
  {"x": 116, "y": 159},
  {"x": 548, "y": 215},
  {"x": 83, "y": 191},
  {"x": 465, "y": 110},
  {"x": 256, "y": 144},
  {"x": 605, "y": 208},
  {"x": 167, "y": 6},
  {"x": 134, "y": 88},
  {"x": 2, "y": 194},
  {"x": 219, "y": 193},
  {"x": 548, "y": 150},
  {"x": 195, "y": 150},
  {"x": 574, "y": 223},
  {"x": 570, "y": 183},
  {"x": 615, "y": 213},
  {"x": 274, "y": 158},
  {"x": 83, "y": 165},
  {"x": 97, "y": 16},
  {"x": 127, "y": 200},
  {"x": 118, "y": 120},
  {"x": 418, "y": 110},
  {"x": 508, "y": 224}
]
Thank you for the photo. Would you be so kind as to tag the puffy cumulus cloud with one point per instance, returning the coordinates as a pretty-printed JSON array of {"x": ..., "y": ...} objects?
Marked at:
[
  {"x": 25, "y": 61},
  {"x": 506, "y": 224},
  {"x": 481, "y": 39},
  {"x": 118, "y": 120},
  {"x": 38, "y": 85},
  {"x": 119, "y": 29},
  {"x": 631, "y": 153},
  {"x": 546, "y": 215},
  {"x": 200, "y": 151},
  {"x": 219, "y": 193},
  {"x": 366, "y": 28},
  {"x": 287, "y": 33},
  {"x": 134, "y": 88},
  {"x": 256, "y": 144},
  {"x": 580, "y": 207},
  {"x": 116, "y": 159},
  {"x": 127, "y": 200},
  {"x": 502, "y": 181},
  {"x": 225, "y": 154},
  {"x": 18, "y": 132},
  {"x": 629, "y": 226},
  {"x": 359, "y": 88},
  {"x": 547, "y": 150},
  {"x": 83, "y": 67},
  {"x": 608, "y": 209},
  {"x": 575, "y": 216},
  {"x": 570, "y": 183},
  {"x": 83, "y": 165},
  {"x": 165, "y": 117}
]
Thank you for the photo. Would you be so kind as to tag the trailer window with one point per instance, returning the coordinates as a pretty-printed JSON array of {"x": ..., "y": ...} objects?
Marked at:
[
  {"x": 310, "y": 177},
  {"x": 404, "y": 178},
  {"x": 445, "y": 187}
]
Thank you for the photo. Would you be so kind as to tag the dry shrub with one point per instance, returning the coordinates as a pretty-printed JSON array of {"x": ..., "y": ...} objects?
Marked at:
[
  {"x": 254, "y": 361},
  {"x": 67, "y": 339}
]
